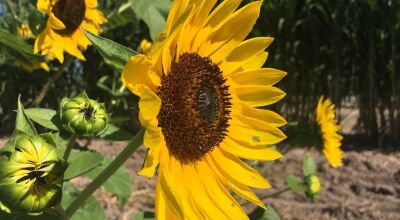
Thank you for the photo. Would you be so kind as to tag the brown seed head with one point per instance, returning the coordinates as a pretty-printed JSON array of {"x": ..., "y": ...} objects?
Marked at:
[{"x": 195, "y": 107}]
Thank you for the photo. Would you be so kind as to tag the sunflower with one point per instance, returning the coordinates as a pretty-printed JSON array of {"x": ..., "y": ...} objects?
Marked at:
[
  {"x": 24, "y": 31},
  {"x": 199, "y": 88},
  {"x": 328, "y": 129},
  {"x": 66, "y": 20}
]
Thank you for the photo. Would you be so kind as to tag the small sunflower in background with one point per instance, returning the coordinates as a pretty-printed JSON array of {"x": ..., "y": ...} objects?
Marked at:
[
  {"x": 24, "y": 31},
  {"x": 66, "y": 20},
  {"x": 330, "y": 139},
  {"x": 200, "y": 86}
]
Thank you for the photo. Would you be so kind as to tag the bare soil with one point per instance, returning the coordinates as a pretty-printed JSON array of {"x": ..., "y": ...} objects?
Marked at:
[{"x": 366, "y": 187}]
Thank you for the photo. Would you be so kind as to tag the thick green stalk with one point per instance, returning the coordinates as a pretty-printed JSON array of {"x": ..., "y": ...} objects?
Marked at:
[{"x": 107, "y": 173}]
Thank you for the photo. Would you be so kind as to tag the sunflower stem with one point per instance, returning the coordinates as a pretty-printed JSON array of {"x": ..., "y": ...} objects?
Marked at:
[
  {"x": 276, "y": 194},
  {"x": 70, "y": 145},
  {"x": 107, "y": 173}
]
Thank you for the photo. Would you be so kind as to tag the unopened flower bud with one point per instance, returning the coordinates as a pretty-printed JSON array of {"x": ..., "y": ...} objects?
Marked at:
[
  {"x": 83, "y": 116},
  {"x": 313, "y": 185},
  {"x": 31, "y": 175}
]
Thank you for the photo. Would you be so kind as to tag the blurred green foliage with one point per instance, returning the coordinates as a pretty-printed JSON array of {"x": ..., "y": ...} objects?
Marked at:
[{"x": 348, "y": 50}]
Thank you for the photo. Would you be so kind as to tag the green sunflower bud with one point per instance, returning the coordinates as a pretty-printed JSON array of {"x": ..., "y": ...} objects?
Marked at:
[
  {"x": 31, "y": 175},
  {"x": 313, "y": 185},
  {"x": 83, "y": 116}
]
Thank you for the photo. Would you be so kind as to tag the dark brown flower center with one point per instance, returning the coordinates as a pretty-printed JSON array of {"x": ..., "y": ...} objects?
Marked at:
[
  {"x": 71, "y": 13},
  {"x": 195, "y": 107},
  {"x": 88, "y": 112}
]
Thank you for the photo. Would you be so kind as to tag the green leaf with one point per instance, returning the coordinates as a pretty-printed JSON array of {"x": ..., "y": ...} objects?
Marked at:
[
  {"x": 144, "y": 216},
  {"x": 91, "y": 209},
  {"x": 81, "y": 163},
  {"x": 309, "y": 166},
  {"x": 114, "y": 133},
  {"x": 119, "y": 183},
  {"x": 23, "y": 123},
  {"x": 113, "y": 53},
  {"x": 264, "y": 214},
  {"x": 153, "y": 13},
  {"x": 294, "y": 185},
  {"x": 47, "y": 118},
  {"x": 18, "y": 46}
]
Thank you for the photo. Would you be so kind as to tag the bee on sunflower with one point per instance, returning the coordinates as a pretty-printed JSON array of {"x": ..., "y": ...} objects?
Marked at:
[
  {"x": 66, "y": 20},
  {"x": 329, "y": 138},
  {"x": 200, "y": 86}
]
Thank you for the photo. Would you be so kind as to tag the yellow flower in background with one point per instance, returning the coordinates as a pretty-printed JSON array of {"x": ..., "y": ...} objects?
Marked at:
[
  {"x": 30, "y": 67},
  {"x": 145, "y": 46},
  {"x": 313, "y": 185},
  {"x": 331, "y": 139},
  {"x": 64, "y": 27},
  {"x": 24, "y": 31},
  {"x": 199, "y": 88}
]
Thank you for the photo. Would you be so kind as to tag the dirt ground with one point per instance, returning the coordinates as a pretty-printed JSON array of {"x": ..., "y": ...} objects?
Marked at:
[{"x": 366, "y": 187}]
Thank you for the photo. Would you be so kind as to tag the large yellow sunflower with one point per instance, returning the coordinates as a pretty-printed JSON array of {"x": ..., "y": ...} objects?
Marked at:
[
  {"x": 66, "y": 20},
  {"x": 199, "y": 88},
  {"x": 331, "y": 139}
]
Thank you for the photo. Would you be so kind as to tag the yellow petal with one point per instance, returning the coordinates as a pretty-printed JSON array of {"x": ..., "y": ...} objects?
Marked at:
[
  {"x": 233, "y": 167},
  {"x": 171, "y": 192},
  {"x": 43, "y": 5},
  {"x": 244, "y": 52},
  {"x": 334, "y": 156},
  {"x": 254, "y": 131},
  {"x": 72, "y": 48},
  {"x": 56, "y": 23},
  {"x": 257, "y": 96},
  {"x": 255, "y": 62},
  {"x": 179, "y": 171},
  {"x": 95, "y": 16},
  {"x": 58, "y": 52},
  {"x": 219, "y": 196},
  {"x": 267, "y": 116},
  {"x": 151, "y": 162},
  {"x": 262, "y": 77},
  {"x": 136, "y": 72},
  {"x": 178, "y": 8},
  {"x": 91, "y": 27},
  {"x": 91, "y": 3},
  {"x": 237, "y": 187},
  {"x": 152, "y": 136},
  {"x": 221, "y": 12},
  {"x": 203, "y": 12},
  {"x": 44, "y": 66},
  {"x": 223, "y": 40},
  {"x": 80, "y": 39},
  {"x": 40, "y": 41},
  {"x": 250, "y": 152},
  {"x": 163, "y": 210},
  {"x": 199, "y": 196},
  {"x": 149, "y": 103}
]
